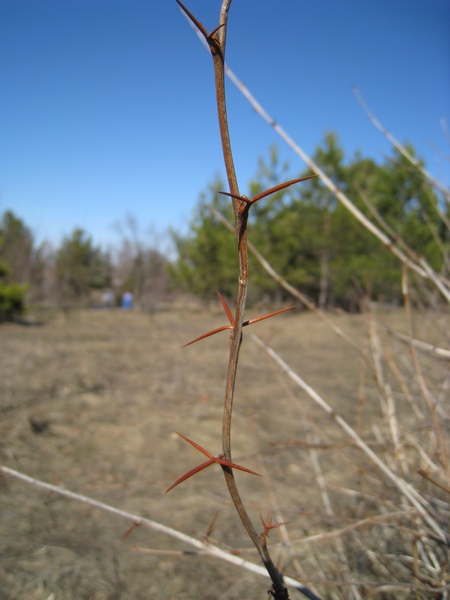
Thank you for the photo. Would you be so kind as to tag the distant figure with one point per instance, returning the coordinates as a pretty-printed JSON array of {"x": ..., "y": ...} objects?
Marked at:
[
  {"x": 107, "y": 299},
  {"x": 127, "y": 301}
]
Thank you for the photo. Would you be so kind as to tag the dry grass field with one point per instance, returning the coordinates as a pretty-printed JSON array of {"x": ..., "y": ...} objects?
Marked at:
[{"x": 90, "y": 401}]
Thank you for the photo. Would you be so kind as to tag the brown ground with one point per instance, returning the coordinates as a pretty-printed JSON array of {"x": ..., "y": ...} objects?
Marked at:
[{"x": 91, "y": 400}]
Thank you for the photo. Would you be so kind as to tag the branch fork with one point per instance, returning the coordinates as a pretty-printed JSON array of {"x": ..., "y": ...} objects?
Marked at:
[
  {"x": 247, "y": 202},
  {"x": 220, "y": 460},
  {"x": 230, "y": 327},
  {"x": 211, "y": 39}
]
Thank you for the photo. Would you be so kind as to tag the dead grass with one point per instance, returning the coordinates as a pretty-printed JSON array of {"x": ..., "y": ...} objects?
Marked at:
[{"x": 90, "y": 400}]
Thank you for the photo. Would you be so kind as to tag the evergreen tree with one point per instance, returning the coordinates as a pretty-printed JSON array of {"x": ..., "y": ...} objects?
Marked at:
[
  {"x": 80, "y": 267},
  {"x": 207, "y": 255},
  {"x": 311, "y": 239},
  {"x": 16, "y": 247}
]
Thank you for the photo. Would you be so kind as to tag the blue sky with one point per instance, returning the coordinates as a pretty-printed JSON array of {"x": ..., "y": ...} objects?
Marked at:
[{"x": 107, "y": 106}]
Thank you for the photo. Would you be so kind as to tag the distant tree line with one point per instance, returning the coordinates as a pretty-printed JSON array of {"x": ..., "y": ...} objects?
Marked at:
[
  {"x": 307, "y": 236},
  {"x": 310, "y": 239},
  {"x": 78, "y": 272}
]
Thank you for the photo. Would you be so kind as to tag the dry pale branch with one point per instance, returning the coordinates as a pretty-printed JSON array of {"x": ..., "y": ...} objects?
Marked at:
[
  {"x": 384, "y": 225},
  {"x": 201, "y": 546},
  {"x": 435, "y": 351}
]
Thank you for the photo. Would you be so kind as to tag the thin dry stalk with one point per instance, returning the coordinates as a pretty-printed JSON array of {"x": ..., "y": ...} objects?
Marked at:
[
  {"x": 423, "y": 455},
  {"x": 403, "y": 151},
  {"x": 401, "y": 381},
  {"x": 369, "y": 522},
  {"x": 385, "y": 226},
  {"x": 375, "y": 347},
  {"x": 330, "y": 513},
  {"x": 439, "y": 281},
  {"x": 431, "y": 402},
  {"x": 388, "y": 406}
]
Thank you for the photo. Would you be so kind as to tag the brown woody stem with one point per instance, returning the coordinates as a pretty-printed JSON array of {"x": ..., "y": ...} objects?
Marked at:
[{"x": 241, "y": 213}]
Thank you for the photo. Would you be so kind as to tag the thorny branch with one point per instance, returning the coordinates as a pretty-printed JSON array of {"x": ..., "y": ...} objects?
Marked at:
[
  {"x": 241, "y": 216},
  {"x": 216, "y": 41}
]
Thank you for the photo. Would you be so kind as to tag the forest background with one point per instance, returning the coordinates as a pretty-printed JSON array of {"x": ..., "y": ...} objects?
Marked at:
[{"x": 303, "y": 232}]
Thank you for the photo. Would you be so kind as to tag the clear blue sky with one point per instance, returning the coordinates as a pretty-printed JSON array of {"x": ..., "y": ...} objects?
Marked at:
[{"x": 107, "y": 106}]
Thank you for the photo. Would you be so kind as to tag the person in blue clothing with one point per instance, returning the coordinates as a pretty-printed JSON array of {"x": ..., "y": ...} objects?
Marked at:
[{"x": 127, "y": 301}]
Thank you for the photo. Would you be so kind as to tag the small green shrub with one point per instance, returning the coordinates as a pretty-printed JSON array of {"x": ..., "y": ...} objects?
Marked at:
[{"x": 12, "y": 296}]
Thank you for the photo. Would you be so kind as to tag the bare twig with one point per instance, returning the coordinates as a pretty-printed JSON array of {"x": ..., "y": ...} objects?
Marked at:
[{"x": 202, "y": 546}]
